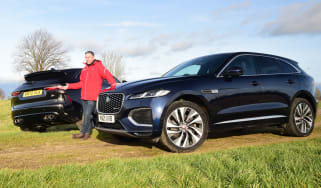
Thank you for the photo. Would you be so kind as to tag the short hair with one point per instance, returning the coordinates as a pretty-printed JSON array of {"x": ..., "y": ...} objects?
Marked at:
[{"x": 90, "y": 52}]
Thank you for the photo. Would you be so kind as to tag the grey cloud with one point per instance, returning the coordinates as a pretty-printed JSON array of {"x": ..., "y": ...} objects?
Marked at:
[
  {"x": 297, "y": 18},
  {"x": 233, "y": 7},
  {"x": 131, "y": 24},
  {"x": 137, "y": 51},
  {"x": 181, "y": 45}
]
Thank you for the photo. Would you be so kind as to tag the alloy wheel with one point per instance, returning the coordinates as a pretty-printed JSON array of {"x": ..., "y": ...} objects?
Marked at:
[
  {"x": 303, "y": 117},
  {"x": 184, "y": 127}
]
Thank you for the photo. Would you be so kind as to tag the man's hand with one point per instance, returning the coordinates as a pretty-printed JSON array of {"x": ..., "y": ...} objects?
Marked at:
[
  {"x": 58, "y": 87},
  {"x": 63, "y": 87}
]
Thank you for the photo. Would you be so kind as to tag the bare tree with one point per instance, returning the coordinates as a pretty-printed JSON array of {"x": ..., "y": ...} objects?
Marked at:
[
  {"x": 2, "y": 94},
  {"x": 39, "y": 51},
  {"x": 114, "y": 63}
]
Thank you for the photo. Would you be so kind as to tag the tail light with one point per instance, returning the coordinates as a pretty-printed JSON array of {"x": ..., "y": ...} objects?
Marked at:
[
  {"x": 69, "y": 99},
  {"x": 14, "y": 94}
]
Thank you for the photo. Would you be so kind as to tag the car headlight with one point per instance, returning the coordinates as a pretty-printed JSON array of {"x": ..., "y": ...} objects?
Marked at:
[{"x": 152, "y": 93}]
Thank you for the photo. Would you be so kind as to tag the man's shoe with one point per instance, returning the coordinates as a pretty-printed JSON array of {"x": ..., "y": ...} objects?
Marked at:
[
  {"x": 87, "y": 135},
  {"x": 78, "y": 135}
]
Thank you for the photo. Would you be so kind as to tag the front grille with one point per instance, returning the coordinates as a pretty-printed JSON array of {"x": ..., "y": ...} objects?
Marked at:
[{"x": 110, "y": 102}]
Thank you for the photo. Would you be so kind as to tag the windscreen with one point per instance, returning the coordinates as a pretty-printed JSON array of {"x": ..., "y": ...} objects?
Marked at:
[{"x": 201, "y": 66}]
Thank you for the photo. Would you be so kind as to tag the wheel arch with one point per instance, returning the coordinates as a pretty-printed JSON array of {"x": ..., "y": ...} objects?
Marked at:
[
  {"x": 195, "y": 99},
  {"x": 306, "y": 95},
  {"x": 199, "y": 100}
]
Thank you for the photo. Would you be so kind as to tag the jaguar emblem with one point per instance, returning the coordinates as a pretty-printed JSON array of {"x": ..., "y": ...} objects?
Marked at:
[{"x": 108, "y": 99}]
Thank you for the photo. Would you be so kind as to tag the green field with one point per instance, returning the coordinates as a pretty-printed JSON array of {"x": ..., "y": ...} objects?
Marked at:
[
  {"x": 255, "y": 159},
  {"x": 296, "y": 164}
]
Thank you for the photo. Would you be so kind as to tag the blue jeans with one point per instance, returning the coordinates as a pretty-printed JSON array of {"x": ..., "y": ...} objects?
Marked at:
[{"x": 88, "y": 109}]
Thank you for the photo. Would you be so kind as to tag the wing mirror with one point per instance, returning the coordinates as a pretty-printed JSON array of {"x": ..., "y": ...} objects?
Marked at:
[
  {"x": 233, "y": 72},
  {"x": 123, "y": 81}
]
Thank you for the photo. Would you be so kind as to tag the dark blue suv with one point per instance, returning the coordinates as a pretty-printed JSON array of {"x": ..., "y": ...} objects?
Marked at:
[{"x": 221, "y": 91}]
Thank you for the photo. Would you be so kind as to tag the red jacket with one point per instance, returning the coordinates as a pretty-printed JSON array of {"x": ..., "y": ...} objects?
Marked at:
[{"x": 91, "y": 79}]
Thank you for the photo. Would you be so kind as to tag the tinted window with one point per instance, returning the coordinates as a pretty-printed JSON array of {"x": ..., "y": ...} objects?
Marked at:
[
  {"x": 189, "y": 70},
  {"x": 286, "y": 68},
  {"x": 268, "y": 65},
  {"x": 245, "y": 62},
  {"x": 207, "y": 65}
]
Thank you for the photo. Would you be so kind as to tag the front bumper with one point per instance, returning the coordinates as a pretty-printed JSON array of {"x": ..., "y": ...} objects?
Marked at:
[{"x": 125, "y": 123}]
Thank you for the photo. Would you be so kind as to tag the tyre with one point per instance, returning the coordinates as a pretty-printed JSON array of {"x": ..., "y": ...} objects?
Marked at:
[
  {"x": 301, "y": 119},
  {"x": 25, "y": 128},
  {"x": 34, "y": 129},
  {"x": 185, "y": 127}
]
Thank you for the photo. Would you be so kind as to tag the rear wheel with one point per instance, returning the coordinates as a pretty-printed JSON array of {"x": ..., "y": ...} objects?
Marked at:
[
  {"x": 37, "y": 129},
  {"x": 301, "y": 120},
  {"x": 185, "y": 127}
]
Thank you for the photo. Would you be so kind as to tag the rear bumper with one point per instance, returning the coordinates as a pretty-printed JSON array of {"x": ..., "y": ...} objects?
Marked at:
[{"x": 46, "y": 115}]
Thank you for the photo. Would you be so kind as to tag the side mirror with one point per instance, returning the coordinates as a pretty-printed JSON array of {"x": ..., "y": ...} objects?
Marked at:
[
  {"x": 233, "y": 72},
  {"x": 123, "y": 81}
]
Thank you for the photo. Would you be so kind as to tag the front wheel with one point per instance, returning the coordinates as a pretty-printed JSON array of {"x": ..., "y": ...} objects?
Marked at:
[
  {"x": 185, "y": 127},
  {"x": 301, "y": 120}
]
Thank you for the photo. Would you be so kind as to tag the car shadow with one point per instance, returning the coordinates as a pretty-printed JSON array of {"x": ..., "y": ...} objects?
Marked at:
[
  {"x": 119, "y": 140},
  {"x": 149, "y": 143},
  {"x": 245, "y": 131},
  {"x": 64, "y": 127}
]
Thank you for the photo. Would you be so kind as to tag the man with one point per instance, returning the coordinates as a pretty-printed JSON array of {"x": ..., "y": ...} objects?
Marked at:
[{"x": 91, "y": 79}]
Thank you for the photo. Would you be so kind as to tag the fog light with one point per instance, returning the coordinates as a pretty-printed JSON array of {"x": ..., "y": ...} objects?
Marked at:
[{"x": 141, "y": 117}]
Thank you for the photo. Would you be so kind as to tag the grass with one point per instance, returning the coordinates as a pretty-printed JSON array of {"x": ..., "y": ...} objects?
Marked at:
[
  {"x": 296, "y": 164},
  {"x": 11, "y": 136},
  {"x": 255, "y": 160}
]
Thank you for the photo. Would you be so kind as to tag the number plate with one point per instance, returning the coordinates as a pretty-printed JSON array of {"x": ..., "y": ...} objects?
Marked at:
[
  {"x": 106, "y": 118},
  {"x": 32, "y": 93}
]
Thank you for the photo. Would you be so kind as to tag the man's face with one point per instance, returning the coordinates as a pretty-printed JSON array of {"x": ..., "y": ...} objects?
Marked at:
[{"x": 89, "y": 58}]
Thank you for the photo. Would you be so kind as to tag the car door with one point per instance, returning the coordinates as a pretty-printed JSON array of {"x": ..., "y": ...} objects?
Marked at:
[
  {"x": 279, "y": 83},
  {"x": 239, "y": 97}
]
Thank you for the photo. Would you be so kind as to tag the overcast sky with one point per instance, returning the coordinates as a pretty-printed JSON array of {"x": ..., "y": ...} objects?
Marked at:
[{"x": 154, "y": 36}]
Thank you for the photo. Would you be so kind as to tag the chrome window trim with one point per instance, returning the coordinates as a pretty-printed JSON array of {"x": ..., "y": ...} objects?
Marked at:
[
  {"x": 130, "y": 118},
  {"x": 121, "y": 106},
  {"x": 251, "y": 119},
  {"x": 227, "y": 64}
]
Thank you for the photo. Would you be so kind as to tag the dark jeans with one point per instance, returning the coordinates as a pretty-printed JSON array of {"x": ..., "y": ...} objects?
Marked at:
[{"x": 88, "y": 109}]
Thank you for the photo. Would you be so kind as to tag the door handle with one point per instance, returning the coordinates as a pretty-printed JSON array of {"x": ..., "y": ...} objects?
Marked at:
[
  {"x": 290, "y": 81},
  {"x": 255, "y": 83}
]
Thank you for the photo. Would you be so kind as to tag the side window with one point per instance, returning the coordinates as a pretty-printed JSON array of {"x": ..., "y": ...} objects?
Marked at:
[
  {"x": 245, "y": 62},
  {"x": 268, "y": 65},
  {"x": 189, "y": 71},
  {"x": 286, "y": 68}
]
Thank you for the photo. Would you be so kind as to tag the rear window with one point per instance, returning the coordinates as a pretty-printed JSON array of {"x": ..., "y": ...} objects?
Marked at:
[
  {"x": 286, "y": 68},
  {"x": 267, "y": 65}
]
